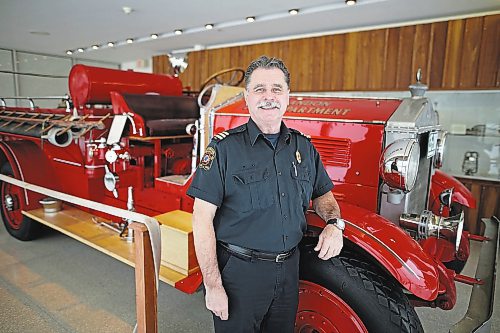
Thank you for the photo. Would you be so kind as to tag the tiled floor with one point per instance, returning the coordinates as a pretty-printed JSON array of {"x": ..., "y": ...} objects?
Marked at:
[{"x": 56, "y": 284}]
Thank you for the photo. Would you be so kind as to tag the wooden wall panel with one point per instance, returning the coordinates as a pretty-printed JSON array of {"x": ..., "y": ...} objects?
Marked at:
[
  {"x": 456, "y": 54},
  {"x": 453, "y": 54},
  {"x": 439, "y": 31},
  {"x": 376, "y": 58},
  {"x": 487, "y": 195},
  {"x": 421, "y": 50},
  {"x": 489, "y": 61},
  {"x": 337, "y": 66},
  {"x": 470, "y": 51},
  {"x": 391, "y": 59}
]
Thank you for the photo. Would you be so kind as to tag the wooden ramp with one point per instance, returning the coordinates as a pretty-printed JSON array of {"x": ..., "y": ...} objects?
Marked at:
[{"x": 78, "y": 224}]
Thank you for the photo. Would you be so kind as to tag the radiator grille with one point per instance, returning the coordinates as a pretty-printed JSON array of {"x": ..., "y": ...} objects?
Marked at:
[{"x": 333, "y": 151}]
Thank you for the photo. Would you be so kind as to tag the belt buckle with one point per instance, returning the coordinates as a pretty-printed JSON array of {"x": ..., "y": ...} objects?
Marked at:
[{"x": 281, "y": 257}]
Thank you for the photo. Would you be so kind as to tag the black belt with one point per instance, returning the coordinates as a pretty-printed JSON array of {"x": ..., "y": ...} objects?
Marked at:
[{"x": 248, "y": 253}]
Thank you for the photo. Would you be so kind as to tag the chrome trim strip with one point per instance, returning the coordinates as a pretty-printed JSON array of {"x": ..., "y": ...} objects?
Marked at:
[{"x": 66, "y": 162}]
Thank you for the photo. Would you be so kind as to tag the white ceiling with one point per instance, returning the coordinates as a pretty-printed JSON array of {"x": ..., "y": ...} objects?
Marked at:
[{"x": 61, "y": 25}]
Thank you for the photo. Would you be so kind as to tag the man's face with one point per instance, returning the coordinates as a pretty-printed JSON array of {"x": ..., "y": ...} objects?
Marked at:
[{"x": 267, "y": 96}]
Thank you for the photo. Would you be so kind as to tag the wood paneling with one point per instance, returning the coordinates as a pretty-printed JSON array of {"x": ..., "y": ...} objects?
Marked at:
[
  {"x": 487, "y": 195},
  {"x": 456, "y": 54}
]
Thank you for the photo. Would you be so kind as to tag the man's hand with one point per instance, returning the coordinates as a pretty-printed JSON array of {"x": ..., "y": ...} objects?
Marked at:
[
  {"x": 216, "y": 301},
  {"x": 330, "y": 242}
]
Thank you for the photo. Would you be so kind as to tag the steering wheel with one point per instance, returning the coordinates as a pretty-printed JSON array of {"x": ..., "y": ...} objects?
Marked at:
[{"x": 237, "y": 76}]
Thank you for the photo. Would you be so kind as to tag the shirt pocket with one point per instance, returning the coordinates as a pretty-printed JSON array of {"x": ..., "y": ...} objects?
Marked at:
[
  {"x": 303, "y": 184},
  {"x": 254, "y": 188}
]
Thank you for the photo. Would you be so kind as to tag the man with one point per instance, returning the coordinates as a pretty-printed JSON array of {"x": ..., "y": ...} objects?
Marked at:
[{"x": 251, "y": 190}]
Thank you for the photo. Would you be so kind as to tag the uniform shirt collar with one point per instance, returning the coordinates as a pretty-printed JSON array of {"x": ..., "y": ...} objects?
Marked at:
[{"x": 254, "y": 132}]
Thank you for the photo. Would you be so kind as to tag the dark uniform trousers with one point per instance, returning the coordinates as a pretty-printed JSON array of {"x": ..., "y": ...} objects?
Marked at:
[{"x": 263, "y": 295}]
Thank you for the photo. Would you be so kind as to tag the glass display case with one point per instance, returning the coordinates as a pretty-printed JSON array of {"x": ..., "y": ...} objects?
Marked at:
[{"x": 472, "y": 119}]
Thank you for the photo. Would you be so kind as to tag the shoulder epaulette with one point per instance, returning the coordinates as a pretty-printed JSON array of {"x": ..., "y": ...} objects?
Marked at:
[
  {"x": 308, "y": 137},
  {"x": 225, "y": 134},
  {"x": 220, "y": 136}
]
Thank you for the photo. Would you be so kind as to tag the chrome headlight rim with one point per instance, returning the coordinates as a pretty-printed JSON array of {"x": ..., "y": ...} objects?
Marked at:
[
  {"x": 399, "y": 164},
  {"x": 440, "y": 149}
]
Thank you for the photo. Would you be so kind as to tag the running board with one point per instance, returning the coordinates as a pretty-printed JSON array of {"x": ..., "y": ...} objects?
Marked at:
[
  {"x": 79, "y": 225},
  {"x": 478, "y": 316}
]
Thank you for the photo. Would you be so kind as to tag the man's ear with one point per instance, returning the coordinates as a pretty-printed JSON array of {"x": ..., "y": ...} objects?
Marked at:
[{"x": 245, "y": 94}]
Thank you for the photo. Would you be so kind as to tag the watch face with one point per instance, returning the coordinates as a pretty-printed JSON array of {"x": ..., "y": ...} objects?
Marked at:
[{"x": 340, "y": 224}]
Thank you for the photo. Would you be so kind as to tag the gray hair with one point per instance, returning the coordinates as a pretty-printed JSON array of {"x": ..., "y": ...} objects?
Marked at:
[{"x": 266, "y": 63}]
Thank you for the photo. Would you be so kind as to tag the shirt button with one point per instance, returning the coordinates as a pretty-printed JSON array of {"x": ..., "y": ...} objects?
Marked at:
[
  {"x": 279, "y": 173},
  {"x": 282, "y": 194},
  {"x": 285, "y": 217}
]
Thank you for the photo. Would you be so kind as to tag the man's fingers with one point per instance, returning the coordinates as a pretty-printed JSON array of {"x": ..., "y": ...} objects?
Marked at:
[
  {"x": 224, "y": 315},
  {"x": 324, "y": 251},
  {"x": 320, "y": 243}
]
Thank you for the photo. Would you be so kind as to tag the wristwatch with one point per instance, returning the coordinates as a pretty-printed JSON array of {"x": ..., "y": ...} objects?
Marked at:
[{"x": 338, "y": 222}]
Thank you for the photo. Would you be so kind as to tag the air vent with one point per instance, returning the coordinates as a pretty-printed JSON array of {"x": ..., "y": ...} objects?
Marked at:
[{"x": 334, "y": 152}]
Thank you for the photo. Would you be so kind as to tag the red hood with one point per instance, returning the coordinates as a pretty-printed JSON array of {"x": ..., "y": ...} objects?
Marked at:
[{"x": 367, "y": 110}]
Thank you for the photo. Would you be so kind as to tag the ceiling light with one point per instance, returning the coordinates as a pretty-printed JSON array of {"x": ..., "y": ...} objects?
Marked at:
[
  {"x": 250, "y": 19},
  {"x": 178, "y": 32},
  {"x": 127, "y": 10},
  {"x": 130, "y": 40},
  {"x": 80, "y": 50},
  {"x": 350, "y": 2},
  {"x": 154, "y": 36},
  {"x": 293, "y": 11},
  {"x": 209, "y": 26},
  {"x": 69, "y": 52},
  {"x": 95, "y": 47},
  {"x": 111, "y": 44}
]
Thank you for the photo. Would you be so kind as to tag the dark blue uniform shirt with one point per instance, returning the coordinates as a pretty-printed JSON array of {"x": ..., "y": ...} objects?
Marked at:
[{"x": 262, "y": 192}]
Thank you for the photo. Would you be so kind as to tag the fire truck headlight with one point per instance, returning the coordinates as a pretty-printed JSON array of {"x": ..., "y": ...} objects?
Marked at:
[
  {"x": 441, "y": 145},
  {"x": 399, "y": 164}
]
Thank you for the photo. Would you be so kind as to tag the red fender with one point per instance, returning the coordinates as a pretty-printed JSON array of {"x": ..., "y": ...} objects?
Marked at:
[
  {"x": 29, "y": 164},
  {"x": 442, "y": 181},
  {"x": 395, "y": 250}
]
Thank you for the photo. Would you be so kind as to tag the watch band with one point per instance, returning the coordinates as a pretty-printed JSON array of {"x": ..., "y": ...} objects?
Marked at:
[{"x": 338, "y": 222}]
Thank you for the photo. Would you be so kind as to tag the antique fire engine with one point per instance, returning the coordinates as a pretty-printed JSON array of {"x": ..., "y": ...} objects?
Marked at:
[{"x": 133, "y": 140}]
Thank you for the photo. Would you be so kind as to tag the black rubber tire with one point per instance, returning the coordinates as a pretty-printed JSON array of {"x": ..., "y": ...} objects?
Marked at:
[
  {"x": 29, "y": 229},
  {"x": 374, "y": 297}
]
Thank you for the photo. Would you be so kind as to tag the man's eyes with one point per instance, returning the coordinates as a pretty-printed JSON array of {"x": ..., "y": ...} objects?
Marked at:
[{"x": 273, "y": 90}]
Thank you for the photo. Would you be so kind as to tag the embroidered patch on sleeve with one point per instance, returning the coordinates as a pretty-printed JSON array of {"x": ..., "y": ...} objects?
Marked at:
[{"x": 207, "y": 159}]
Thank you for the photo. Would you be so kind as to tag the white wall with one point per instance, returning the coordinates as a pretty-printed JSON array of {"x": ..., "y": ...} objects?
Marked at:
[{"x": 140, "y": 65}]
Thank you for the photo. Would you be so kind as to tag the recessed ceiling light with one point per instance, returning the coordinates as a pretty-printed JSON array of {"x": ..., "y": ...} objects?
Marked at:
[
  {"x": 127, "y": 10},
  {"x": 178, "y": 32},
  {"x": 80, "y": 50},
  {"x": 250, "y": 19},
  {"x": 293, "y": 11},
  {"x": 350, "y": 2},
  {"x": 95, "y": 47},
  {"x": 209, "y": 26},
  {"x": 130, "y": 40},
  {"x": 111, "y": 44},
  {"x": 69, "y": 52},
  {"x": 154, "y": 36},
  {"x": 40, "y": 33}
]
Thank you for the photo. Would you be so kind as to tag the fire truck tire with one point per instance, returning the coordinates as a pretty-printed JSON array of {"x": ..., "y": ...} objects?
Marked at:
[
  {"x": 17, "y": 224},
  {"x": 365, "y": 290}
]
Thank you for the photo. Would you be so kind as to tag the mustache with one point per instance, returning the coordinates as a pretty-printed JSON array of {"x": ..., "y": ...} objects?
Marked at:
[{"x": 269, "y": 104}]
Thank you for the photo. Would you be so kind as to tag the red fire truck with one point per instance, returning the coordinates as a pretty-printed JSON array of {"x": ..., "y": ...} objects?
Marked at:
[{"x": 132, "y": 141}]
